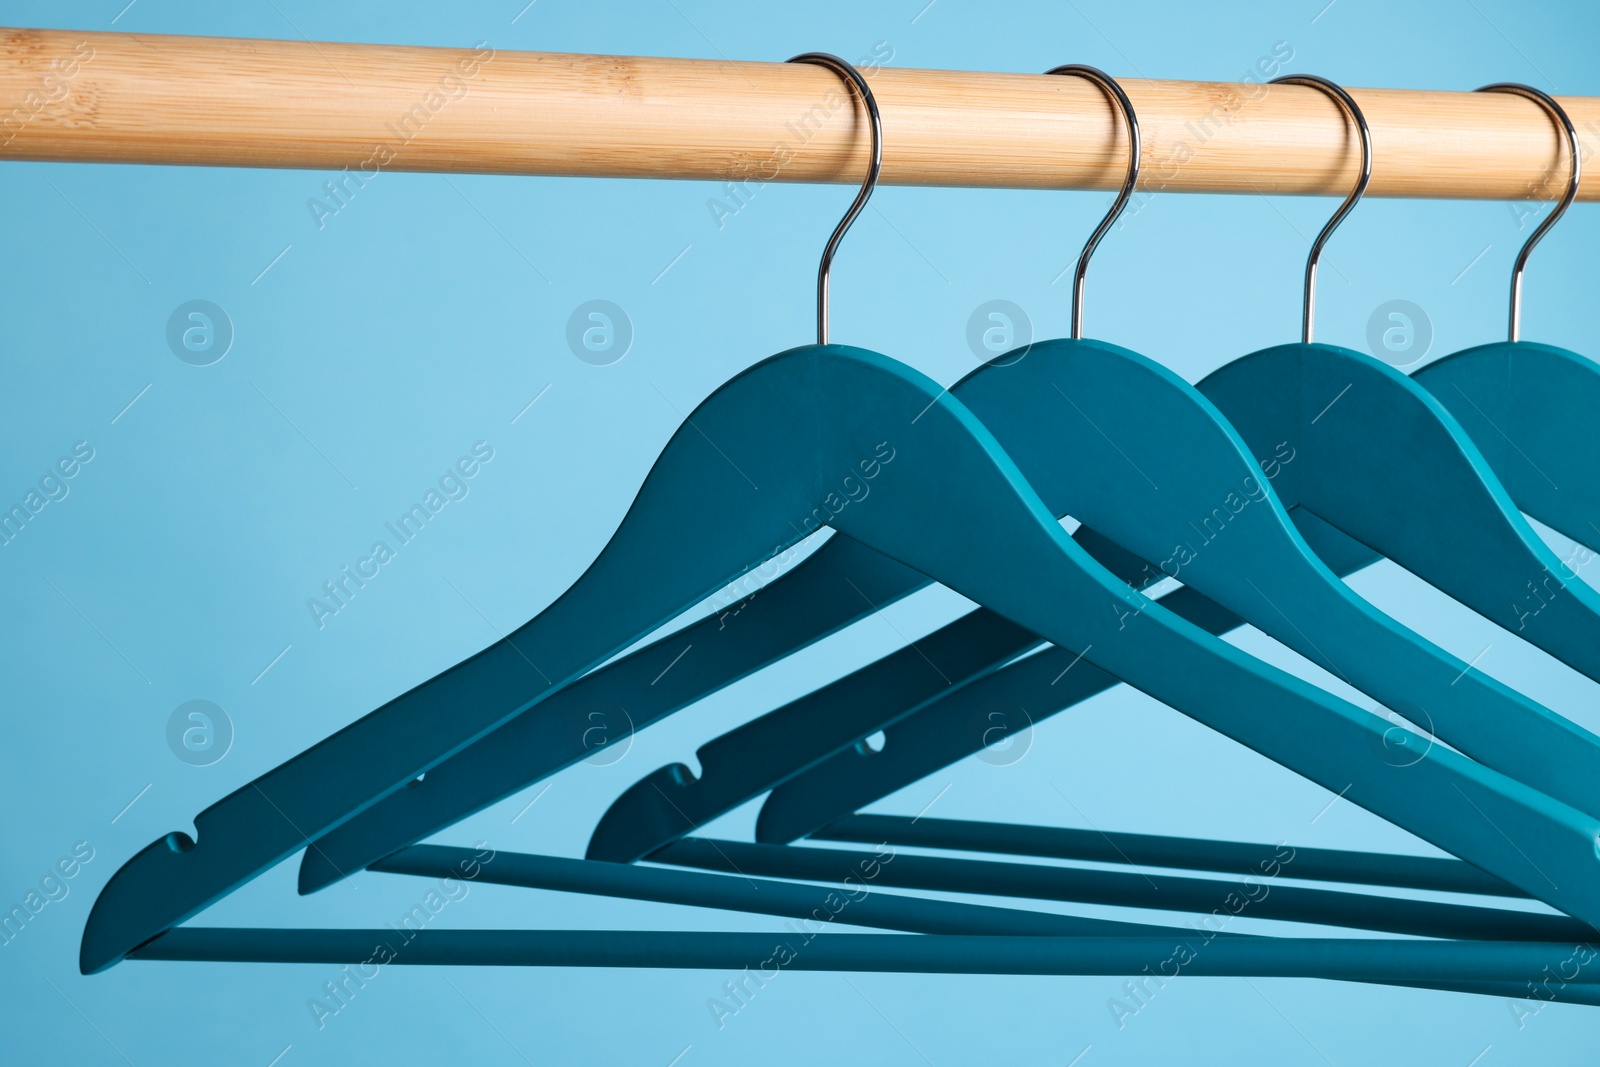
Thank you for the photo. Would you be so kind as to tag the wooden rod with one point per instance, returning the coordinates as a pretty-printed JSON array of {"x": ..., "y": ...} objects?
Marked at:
[{"x": 210, "y": 101}]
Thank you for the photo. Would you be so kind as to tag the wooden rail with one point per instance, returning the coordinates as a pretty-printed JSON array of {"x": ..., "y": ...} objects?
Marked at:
[{"x": 208, "y": 101}]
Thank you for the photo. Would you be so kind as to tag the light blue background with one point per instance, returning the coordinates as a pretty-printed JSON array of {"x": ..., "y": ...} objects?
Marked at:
[{"x": 429, "y": 312}]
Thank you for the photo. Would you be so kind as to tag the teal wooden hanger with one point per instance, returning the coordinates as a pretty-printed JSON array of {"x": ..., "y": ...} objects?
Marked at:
[
  {"x": 1529, "y": 406},
  {"x": 1384, "y": 462}
]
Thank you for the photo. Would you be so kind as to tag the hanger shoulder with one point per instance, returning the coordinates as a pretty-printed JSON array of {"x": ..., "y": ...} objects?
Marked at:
[
  {"x": 840, "y": 583},
  {"x": 1380, "y": 459},
  {"x": 1530, "y": 408}
]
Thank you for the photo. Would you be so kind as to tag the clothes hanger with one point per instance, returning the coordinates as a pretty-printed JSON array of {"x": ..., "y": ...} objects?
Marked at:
[
  {"x": 499, "y": 672},
  {"x": 1137, "y": 455},
  {"x": 796, "y": 420},
  {"x": 1528, "y": 405},
  {"x": 1384, "y": 462}
]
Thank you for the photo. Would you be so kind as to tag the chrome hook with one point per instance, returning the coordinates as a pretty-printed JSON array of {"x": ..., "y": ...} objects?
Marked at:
[
  {"x": 1558, "y": 113},
  {"x": 1309, "y": 308},
  {"x": 1110, "y": 87},
  {"x": 854, "y": 78}
]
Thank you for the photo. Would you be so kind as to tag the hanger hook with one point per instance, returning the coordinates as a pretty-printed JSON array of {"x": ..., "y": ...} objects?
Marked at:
[
  {"x": 852, "y": 76},
  {"x": 1558, "y": 113},
  {"x": 1354, "y": 112},
  {"x": 1109, "y": 86}
]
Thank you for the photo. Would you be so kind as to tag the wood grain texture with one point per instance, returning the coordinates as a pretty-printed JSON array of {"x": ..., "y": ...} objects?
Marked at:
[{"x": 138, "y": 98}]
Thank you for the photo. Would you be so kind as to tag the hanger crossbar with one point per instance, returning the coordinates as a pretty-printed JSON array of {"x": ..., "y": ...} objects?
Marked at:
[
  {"x": 1229, "y": 857},
  {"x": 1354, "y": 959}
]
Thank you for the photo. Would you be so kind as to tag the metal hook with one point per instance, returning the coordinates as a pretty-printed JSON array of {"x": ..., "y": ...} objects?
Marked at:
[
  {"x": 853, "y": 76},
  {"x": 1354, "y": 112},
  {"x": 1110, "y": 87},
  {"x": 1558, "y": 113}
]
